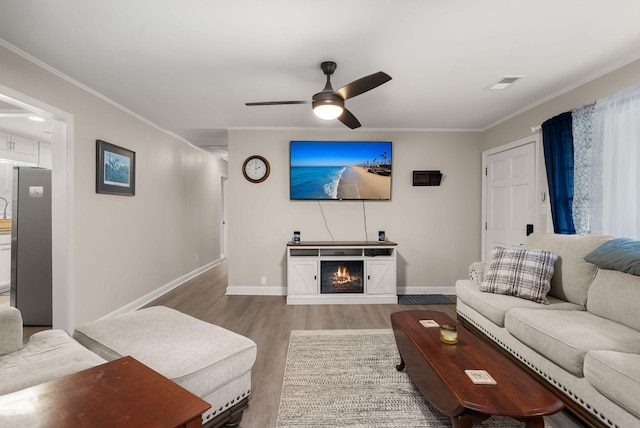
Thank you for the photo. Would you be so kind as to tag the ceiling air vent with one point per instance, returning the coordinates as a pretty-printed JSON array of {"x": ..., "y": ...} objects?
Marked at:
[{"x": 504, "y": 83}]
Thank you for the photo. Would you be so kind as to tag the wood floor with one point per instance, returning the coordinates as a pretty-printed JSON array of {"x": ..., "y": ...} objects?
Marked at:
[{"x": 268, "y": 321}]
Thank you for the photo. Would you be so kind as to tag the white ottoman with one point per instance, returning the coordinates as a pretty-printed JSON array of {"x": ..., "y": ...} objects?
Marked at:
[{"x": 209, "y": 361}]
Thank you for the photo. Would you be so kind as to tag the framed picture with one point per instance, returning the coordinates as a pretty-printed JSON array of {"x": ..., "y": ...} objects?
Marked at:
[{"x": 115, "y": 169}]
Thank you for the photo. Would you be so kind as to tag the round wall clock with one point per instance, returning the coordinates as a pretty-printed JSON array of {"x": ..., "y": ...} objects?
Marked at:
[{"x": 256, "y": 169}]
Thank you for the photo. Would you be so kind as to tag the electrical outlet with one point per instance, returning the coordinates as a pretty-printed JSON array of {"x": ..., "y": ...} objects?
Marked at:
[
  {"x": 263, "y": 280},
  {"x": 197, "y": 258}
]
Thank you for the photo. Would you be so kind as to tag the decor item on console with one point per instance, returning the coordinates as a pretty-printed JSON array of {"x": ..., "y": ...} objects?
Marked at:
[
  {"x": 585, "y": 343},
  {"x": 209, "y": 361}
]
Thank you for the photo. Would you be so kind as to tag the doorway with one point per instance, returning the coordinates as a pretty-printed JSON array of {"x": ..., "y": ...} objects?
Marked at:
[
  {"x": 62, "y": 201},
  {"x": 509, "y": 194},
  {"x": 224, "y": 226}
]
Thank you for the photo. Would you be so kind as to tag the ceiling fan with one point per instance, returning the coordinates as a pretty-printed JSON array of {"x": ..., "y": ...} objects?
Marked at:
[{"x": 329, "y": 104}]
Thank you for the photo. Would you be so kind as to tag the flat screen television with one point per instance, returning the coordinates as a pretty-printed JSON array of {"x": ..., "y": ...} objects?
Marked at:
[{"x": 340, "y": 170}]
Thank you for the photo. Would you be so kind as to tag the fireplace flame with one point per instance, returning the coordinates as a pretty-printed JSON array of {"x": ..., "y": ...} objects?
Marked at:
[{"x": 341, "y": 276}]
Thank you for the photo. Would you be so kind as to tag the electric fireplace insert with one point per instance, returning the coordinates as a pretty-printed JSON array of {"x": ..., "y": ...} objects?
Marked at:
[{"x": 341, "y": 276}]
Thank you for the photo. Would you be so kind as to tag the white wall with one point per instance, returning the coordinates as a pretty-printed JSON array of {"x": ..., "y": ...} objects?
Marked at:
[
  {"x": 127, "y": 247},
  {"x": 437, "y": 228}
]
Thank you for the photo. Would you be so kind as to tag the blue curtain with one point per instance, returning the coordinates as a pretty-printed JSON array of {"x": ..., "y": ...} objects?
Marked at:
[{"x": 557, "y": 141}]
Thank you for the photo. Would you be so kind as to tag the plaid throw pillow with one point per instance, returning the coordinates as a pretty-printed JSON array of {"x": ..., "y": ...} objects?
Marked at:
[{"x": 521, "y": 273}]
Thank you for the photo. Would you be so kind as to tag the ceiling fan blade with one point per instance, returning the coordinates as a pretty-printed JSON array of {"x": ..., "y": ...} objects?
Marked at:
[
  {"x": 276, "y": 103},
  {"x": 349, "y": 119},
  {"x": 363, "y": 84}
]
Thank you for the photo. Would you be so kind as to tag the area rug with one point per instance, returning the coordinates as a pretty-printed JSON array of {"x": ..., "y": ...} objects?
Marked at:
[
  {"x": 347, "y": 378},
  {"x": 424, "y": 299}
]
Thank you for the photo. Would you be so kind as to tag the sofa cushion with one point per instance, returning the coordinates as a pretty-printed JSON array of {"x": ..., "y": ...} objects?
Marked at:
[
  {"x": 573, "y": 275},
  {"x": 48, "y": 355},
  {"x": 616, "y": 375},
  {"x": 565, "y": 337},
  {"x": 521, "y": 273},
  {"x": 495, "y": 306},
  {"x": 616, "y": 296},
  {"x": 621, "y": 254},
  {"x": 197, "y": 355}
]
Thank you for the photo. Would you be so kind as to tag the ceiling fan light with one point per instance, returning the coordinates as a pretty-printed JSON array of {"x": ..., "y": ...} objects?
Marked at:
[{"x": 327, "y": 111}]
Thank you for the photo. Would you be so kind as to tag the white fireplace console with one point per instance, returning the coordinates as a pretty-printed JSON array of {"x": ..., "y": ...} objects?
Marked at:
[{"x": 373, "y": 266}]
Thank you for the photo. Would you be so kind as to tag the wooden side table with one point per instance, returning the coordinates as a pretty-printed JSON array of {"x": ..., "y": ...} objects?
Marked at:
[{"x": 120, "y": 393}]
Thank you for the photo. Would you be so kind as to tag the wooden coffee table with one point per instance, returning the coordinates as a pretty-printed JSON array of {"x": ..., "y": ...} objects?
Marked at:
[
  {"x": 438, "y": 370},
  {"x": 121, "y": 393}
]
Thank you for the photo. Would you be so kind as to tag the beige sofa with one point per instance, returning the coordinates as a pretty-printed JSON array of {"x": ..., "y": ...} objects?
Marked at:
[
  {"x": 210, "y": 361},
  {"x": 585, "y": 342}
]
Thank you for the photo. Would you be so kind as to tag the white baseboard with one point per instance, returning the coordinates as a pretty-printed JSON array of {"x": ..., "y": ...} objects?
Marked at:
[
  {"x": 427, "y": 290},
  {"x": 150, "y": 297},
  {"x": 247, "y": 290},
  {"x": 263, "y": 290},
  {"x": 256, "y": 290}
]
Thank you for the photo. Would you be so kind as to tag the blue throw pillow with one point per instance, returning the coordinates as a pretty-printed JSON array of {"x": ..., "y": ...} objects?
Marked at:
[{"x": 621, "y": 254}]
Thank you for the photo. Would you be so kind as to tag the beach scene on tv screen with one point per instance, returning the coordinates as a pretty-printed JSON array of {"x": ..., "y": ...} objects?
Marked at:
[{"x": 340, "y": 170}]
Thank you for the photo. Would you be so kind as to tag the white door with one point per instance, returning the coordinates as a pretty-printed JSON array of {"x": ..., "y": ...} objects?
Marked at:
[{"x": 509, "y": 194}]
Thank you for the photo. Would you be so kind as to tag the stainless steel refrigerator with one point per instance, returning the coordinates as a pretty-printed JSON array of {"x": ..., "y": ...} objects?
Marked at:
[{"x": 31, "y": 245}]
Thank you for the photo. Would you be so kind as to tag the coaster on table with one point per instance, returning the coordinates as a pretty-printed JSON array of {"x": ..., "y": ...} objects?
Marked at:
[
  {"x": 480, "y": 377},
  {"x": 429, "y": 323}
]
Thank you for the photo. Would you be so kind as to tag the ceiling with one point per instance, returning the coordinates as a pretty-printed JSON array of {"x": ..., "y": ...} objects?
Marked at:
[
  {"x": 25, "y": 122},
  {"x": 189, "y": 66}
]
